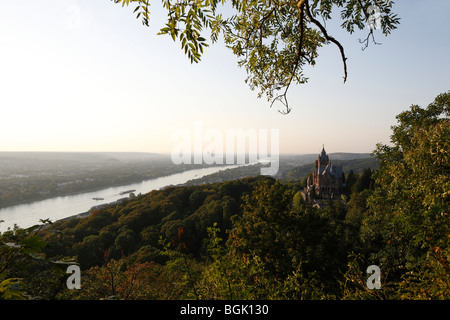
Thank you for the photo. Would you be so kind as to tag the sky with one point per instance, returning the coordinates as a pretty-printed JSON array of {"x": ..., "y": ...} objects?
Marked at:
[{"x": 83, "y": 75}]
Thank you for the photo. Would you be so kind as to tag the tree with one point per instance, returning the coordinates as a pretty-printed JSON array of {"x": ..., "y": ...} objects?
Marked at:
[
  {"x": 231, "y": 275},
  {"x": 304, "y": 241},
  {"x": 350, "y": 181},
  {"x": 298, "y": 200},
  {"x": 116, "y": 279},
  {"x": 89, "y": 251},
  {"x": 25, "y": 271},
  {"x": 364, "y": 181},
  {"x": 406, "y": 226},
  {"x": 273, "y": 40}
]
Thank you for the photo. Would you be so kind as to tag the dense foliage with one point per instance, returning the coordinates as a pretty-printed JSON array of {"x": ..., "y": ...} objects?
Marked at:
[{"x": 257, "y": 238}]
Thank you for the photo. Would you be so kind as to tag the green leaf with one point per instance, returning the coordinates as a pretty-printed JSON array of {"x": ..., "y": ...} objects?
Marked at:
[
  {"x": 9, "y": 289},
  {"x": 33, "y": 244}
]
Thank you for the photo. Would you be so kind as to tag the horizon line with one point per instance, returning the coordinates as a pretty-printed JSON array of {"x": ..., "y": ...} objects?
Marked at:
[{"x": 160, "y": 153}]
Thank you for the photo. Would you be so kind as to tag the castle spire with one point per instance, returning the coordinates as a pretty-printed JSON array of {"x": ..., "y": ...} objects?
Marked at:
[{"x": 323, "y": 155}]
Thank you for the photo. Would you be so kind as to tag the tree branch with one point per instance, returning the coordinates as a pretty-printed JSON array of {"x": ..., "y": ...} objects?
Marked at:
[
  {"x": 260, "y": 23},
  {"x": 282, "y": 97},
  {"x": 329, "y": 38},
  {"x": 364, "y": 11},
  {"x": 366, "y": 41}
]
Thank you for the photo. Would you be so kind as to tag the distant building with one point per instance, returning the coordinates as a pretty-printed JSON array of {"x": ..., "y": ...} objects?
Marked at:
[{"x": 327, "y": 180}]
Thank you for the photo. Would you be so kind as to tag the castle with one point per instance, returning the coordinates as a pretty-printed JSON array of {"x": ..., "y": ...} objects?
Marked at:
[{"x": 327, "y": 180}]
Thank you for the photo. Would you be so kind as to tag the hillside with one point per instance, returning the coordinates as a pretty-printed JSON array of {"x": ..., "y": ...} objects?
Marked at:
[{"x": 292, "y": 167}]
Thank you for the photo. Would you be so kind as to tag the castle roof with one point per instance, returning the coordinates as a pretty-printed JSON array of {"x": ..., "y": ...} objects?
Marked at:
[{"x": 334, "y": 171}]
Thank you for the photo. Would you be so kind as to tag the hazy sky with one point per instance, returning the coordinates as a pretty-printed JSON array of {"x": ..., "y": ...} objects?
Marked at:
[{"x": 84, "y": 75}]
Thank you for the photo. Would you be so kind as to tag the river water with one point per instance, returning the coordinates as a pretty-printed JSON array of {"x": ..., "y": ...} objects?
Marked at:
[{"x": 27, "y": 215}]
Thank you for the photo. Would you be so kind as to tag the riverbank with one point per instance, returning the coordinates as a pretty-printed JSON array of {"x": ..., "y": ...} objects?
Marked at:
[
  {"x": 26, "y": 215},
  {"x": 100, "y": 185}
]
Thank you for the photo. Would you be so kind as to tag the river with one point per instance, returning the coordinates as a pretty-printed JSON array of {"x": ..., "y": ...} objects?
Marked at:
[{"x": 27, "y": 215}]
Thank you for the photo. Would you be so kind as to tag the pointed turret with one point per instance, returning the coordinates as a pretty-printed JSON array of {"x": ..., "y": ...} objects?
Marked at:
[{"x": 323, "y": 158}]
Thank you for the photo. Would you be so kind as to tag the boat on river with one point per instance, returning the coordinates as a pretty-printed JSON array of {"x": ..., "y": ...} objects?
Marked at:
[{"x": 128, "y": 191}]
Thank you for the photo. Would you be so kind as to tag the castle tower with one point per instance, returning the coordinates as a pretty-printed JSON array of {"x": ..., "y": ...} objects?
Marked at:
[
  {"x": 323, "y": 158},
  {"x": 327, "y": 179}
]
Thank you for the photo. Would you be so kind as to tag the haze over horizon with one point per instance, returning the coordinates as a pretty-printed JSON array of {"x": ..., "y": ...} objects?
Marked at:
[
  {"x": 85, "y": 76},
  {"x": 151, "y": 153}
]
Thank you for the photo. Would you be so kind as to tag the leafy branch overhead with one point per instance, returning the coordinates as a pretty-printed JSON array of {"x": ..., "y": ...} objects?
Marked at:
[{"x": 273, "y": 40}]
